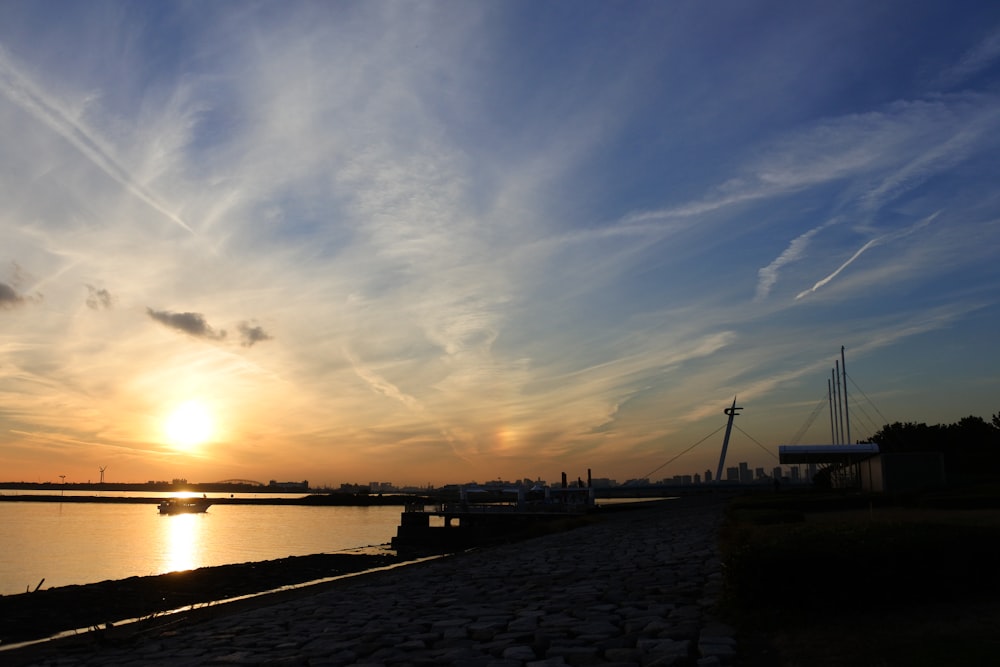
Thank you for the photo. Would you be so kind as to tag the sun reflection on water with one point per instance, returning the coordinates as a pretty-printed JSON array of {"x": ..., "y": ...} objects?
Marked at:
[{"x": 182, "y": 542}]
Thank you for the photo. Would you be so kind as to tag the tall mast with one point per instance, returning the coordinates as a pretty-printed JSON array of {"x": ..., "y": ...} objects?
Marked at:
[
  {"x": 834, "y": 408},
  {"x": 847, "y": 416},
  {"x": 833, "y": 425},
  {"x": 840, "y": 403}
]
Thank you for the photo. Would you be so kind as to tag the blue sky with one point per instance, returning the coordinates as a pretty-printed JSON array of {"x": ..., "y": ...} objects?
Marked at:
[{"x": 444, "y": 241}]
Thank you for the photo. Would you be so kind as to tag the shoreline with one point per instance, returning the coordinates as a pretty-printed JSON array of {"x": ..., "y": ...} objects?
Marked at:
[
  {"x": 636, "y": 588},
  {"x": 47, "y": 612},
  {"x": 42, "y": 614}
]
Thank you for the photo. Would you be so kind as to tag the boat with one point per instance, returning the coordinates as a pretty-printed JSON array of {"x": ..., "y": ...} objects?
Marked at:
[{"x": 184, "y": 505}]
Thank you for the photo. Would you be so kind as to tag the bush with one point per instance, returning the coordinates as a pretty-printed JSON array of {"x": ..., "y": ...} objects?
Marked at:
[{"x": 837, "y": 566}]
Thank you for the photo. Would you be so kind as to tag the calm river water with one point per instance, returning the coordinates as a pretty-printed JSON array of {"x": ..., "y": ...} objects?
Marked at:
[{"x": 78, "y": 543}]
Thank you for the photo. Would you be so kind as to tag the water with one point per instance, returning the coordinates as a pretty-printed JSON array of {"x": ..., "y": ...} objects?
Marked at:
[{"x": 78, "y": 543}]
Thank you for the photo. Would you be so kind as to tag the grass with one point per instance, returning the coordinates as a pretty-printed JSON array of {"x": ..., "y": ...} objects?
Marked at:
[{"x": 849, "y": 580}]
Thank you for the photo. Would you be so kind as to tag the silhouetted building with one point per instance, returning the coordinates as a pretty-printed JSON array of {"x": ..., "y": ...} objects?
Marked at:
[{"x": 289, "y": 486}]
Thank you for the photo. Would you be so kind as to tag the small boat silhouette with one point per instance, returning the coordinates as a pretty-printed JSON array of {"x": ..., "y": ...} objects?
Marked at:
[{"x": 184, "y": 505}]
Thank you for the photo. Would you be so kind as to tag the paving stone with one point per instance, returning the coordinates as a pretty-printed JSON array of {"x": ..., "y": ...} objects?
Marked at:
[
  {"x": 576, "y": 655},
  {"x": 519, "y": 653},
  {"x": 622, "y": 655},
  {"x": 485, "y": 630}
]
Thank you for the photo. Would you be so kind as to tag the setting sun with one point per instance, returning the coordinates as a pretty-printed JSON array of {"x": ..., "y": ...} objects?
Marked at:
[{"x": 189, "y": 425}]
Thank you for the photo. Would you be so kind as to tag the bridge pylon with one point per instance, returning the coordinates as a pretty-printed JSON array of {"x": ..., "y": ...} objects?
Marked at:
[{"x": 731, "y": 412}]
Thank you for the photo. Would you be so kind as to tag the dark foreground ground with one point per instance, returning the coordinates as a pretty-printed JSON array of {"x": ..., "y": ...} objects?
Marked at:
[
  {"x": 843, "y": 580},
  {"x": 47, "y": 612}
]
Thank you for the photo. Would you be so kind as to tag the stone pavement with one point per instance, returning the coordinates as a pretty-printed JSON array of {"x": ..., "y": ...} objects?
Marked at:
[{"x": 635, "y": 589}]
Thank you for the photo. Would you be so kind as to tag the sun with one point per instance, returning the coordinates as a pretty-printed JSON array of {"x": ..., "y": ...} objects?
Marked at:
[{"x": 188, "y": 426}]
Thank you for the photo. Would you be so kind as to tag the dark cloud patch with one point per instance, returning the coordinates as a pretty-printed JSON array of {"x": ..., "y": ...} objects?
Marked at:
[
  {"x": 9, "y": 298},
  {"x": 250, "y": 333},
  {"x": 193, "y": 324},
  {"x": 98, "y": 299}
]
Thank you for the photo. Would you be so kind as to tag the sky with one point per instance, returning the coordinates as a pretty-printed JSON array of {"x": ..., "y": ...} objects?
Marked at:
[{"x": 438, "y": 242}]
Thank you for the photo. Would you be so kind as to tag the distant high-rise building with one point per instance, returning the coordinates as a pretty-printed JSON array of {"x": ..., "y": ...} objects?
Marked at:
[
  {"x": 776, "y": 473},
  {"x": 697, "y": 478},
  {"x": 746, "y": 477},
  {"x": 759, "y": 474},
  {"x": 732, "y": 474},
  {"x": 708, "y": 477}
]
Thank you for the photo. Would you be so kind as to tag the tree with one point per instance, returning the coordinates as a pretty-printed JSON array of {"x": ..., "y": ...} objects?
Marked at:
[
  {"x": 971, "y": 446},
  {"x": 908, "y": 437}
]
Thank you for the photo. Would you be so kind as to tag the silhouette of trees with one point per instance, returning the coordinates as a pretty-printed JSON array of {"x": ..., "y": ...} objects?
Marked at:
[
  {"x": 968, "y": 433},
  {"x": 971, "y": 446}
]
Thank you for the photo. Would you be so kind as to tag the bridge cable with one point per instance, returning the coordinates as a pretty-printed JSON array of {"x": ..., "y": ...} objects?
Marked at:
[
  {"x": 755, "y": 441},
  {"x": 809, "y": 421},
  {"x": 867, "y": 420},
  {"x": 647, "y": 475},
  {"x": 875, "y": 407}
]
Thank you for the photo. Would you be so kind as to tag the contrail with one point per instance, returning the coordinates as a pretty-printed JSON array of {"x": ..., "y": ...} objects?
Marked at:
[
  {"x": 843, "y": 266},
  {"x": 16, "y": 87},
  {"x": 768, "y": 275},
  {"x": 887, "y": 238}
]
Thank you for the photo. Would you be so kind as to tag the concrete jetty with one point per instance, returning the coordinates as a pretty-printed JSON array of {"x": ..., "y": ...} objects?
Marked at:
[{"x": 636, "y": 588}]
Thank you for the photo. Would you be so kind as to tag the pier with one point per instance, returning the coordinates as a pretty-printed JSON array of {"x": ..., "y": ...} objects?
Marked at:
[{"x": 482, "y": 518}]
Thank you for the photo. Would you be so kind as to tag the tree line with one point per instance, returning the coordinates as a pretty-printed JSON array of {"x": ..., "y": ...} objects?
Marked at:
[{"x": 970, "y": 446}]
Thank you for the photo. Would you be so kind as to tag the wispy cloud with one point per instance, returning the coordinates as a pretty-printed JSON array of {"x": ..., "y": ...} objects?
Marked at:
[
  {"x": 974, "y": 61},
  {"x": 431, "y": 249},
  {"x": 19, "y": 89}
]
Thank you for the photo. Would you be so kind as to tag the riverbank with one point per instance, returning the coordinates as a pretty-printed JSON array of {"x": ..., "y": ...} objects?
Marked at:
[
  {"x": 46, "y": 612},
  {"x": 636, "y": 588}
]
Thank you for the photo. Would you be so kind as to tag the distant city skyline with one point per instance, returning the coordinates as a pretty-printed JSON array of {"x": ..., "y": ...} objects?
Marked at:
[{"x": 436, "y": 241}]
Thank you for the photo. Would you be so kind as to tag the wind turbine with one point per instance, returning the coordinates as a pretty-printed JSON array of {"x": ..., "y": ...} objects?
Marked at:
[{"x": 102, "y": 469}]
